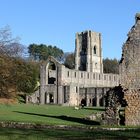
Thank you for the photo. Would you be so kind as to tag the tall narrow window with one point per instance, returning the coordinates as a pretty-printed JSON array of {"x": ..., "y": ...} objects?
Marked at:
[
  {"x": 114, "y": 78},
  {"x": 76, "y": 89},
  {"x": 81, "y": 75},
  {"x": 88, "y": 75},
  {"x": 75, "y": 74},
  {"x": 68, "y": 74},
  {"x": 96, "y": 65},
  {"x": 94, "y": 76},
  {"x": 94, "y": 50}
]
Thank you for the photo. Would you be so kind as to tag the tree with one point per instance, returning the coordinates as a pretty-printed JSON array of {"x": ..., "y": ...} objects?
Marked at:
[
  {"x": 7, "y": 82},
  {"x": 69, "y": 61},
  {"x": 9, "y": 46},
  {"x": 27, "y": 75},
  {"x": 16, "y": 74},
  {"x": 41, "y": 52},
  {"x": 111, "y": 66}
]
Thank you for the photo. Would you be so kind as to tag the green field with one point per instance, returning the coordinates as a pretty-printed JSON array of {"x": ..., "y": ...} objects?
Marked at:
[
  {"x": 49, "y": 134},
  {"x": 56, "y": 115},
  {"x": 46, "y": 114}
]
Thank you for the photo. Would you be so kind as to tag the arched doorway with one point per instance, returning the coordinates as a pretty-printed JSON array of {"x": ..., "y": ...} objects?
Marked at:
[
  {"x": 83, "y": 102},
  {"x": 101, "y": 101},
  {"x": 52, "y": 73},
  {"x": 51, "y": 98},
  {"x": 94, "y": 101}
]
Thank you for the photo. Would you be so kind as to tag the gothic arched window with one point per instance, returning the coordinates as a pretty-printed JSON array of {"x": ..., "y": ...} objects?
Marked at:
[{"x": 94, "y": 50}]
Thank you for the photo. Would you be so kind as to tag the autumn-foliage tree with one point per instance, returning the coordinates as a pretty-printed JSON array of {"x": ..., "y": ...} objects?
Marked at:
[
  {"x": 7, "y": 83},
  {"x": 8, "y": 50},
  {"x": 16, "y": 74}
]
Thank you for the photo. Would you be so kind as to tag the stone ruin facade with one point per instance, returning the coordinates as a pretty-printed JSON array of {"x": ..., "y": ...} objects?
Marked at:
[
  {"x": 130, "y": 74},
  {"x": 86, "y": 84}
]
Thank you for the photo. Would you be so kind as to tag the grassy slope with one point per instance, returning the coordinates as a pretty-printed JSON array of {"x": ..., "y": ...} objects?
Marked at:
[{"x": 47, "y": 114}]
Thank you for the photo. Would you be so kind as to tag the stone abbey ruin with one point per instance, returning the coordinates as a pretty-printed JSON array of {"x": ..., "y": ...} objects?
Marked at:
[
  {"x": 87, "y": 84},
  {"x": 130, "y": 74}
]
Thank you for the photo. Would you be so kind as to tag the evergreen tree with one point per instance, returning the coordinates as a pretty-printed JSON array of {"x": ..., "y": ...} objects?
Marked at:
[{"x": 111, "y": 65}]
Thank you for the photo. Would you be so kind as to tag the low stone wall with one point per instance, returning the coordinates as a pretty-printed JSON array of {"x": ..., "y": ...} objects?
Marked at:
[
  {"x": 132, "y": 111},
  {"x": 23, "y": 125}
]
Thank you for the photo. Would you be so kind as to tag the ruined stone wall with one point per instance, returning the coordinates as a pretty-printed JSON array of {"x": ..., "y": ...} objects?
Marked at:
[
  {"x": 130, "y": 74},
  {"x": 63, "y": 84},
  {"x": 93, "y": 96},
  {"x": 132, "y": 111}
]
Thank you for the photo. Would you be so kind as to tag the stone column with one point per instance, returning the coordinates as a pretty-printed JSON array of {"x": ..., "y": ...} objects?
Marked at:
[
  {"x": 55, "y": 97},
  {"x": 97, "y": 100},
  {"x": 60, "y": 95},
  {"x": 103, "y": 96},
  {"x": 48, "y": 99},
  {"x": 88, "y": 101},
  {"x": 42, "y": 83},
  {"x": 70, "y": 95},
  {"x": 97, "y": 97},
  {"x": 42, "y": 95}
]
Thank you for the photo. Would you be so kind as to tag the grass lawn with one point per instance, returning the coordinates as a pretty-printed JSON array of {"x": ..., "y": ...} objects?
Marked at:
[
  {"x": 46, "y": 114},
  {"x": 56, "y": 115},
  {"x": 47, "y": 134}
]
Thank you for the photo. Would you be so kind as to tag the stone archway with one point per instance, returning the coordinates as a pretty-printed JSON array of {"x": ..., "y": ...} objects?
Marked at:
[
  {"x": 49, "y": 98},
  {"x": 83, "y": 102},
  {"x": 94, "y": 102},
  {"x": 52, "y": 72},
  {"x": 101, "y": 101}
]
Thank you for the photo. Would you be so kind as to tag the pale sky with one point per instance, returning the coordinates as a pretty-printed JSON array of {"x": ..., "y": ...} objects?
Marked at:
[{"x": 55, "y": 22}]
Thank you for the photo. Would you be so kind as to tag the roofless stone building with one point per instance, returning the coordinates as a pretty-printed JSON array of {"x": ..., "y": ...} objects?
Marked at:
[{"x": 85, "y": 84}]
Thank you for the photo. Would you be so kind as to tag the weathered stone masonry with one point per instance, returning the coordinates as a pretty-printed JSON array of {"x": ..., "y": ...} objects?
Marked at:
[
  {"x": 130, "y": 74},
  {"x": 86, "y": 83}
]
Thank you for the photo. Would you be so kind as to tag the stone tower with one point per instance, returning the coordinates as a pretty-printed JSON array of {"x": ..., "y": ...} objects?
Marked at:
[{"x": 88, "y": 52}]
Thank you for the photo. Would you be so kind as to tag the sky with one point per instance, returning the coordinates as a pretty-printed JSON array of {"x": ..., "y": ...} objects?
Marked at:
[{"x": 55, "y": 22}]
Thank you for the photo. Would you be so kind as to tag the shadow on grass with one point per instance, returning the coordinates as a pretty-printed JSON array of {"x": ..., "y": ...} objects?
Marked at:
[
  {"x": 94, "y": 108},
  {"x": 66, "y": 118},
  {"x": 53, "y": 134}
]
